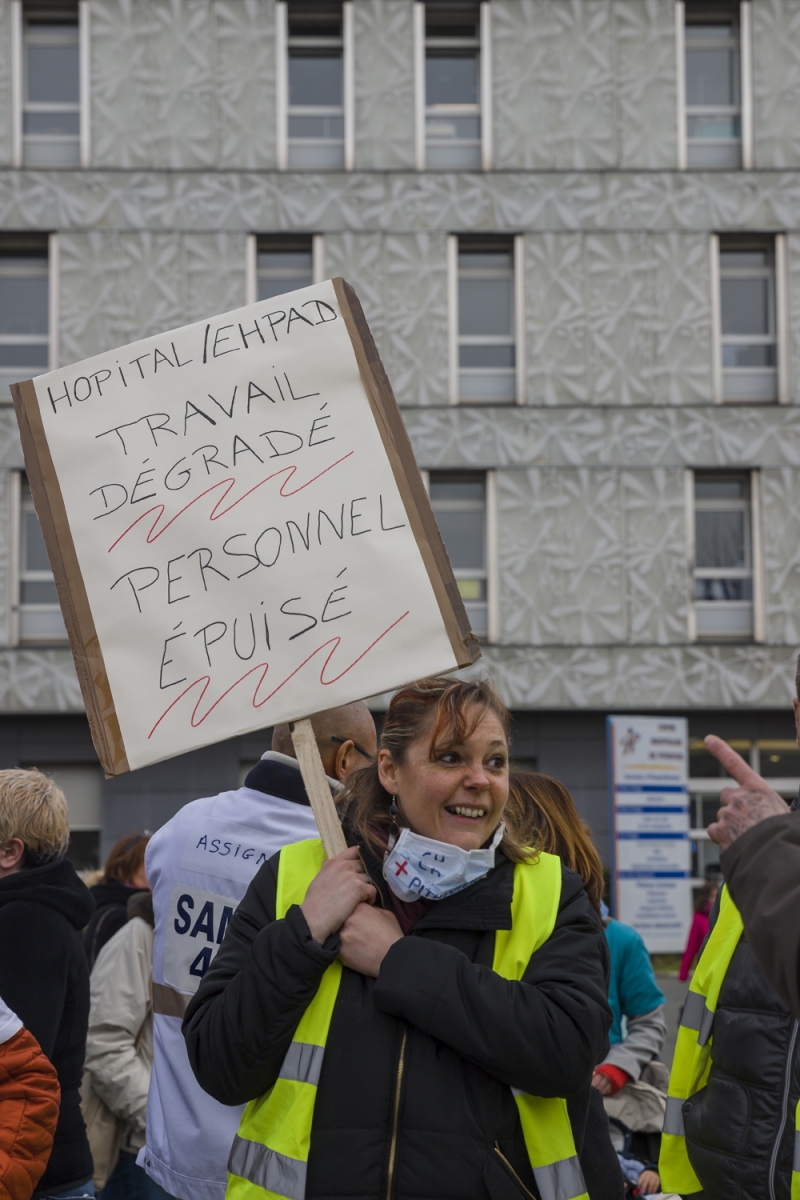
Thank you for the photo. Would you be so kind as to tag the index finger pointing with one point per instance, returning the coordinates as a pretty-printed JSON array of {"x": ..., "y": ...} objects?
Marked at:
[{"x": 733, "y": 763}]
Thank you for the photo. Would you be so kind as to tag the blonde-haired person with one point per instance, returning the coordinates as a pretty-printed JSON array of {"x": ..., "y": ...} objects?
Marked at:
[{"x": 44, "y": 977}]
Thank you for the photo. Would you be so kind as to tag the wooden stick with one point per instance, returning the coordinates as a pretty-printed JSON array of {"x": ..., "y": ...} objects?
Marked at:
[{"x": 318, "y": 790}]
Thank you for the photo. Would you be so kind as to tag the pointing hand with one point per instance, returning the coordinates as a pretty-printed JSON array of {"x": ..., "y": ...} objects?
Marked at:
[{"x": 743, "y": 807}]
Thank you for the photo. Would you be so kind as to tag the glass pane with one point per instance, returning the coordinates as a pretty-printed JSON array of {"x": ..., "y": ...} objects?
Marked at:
[
  {"x": 453, "y": 156},
  {"x": 35, "y": 357},
  {"x": 452, "y": 128},
  {"x": 463, "y": 534},
  {"x": 315, "y": 79},
  {"x": 750, "y": 384},
  {"x": 725, "y": 620},
  {"x": 65, "y": 153},
  {"x": 703, "y": 765},
  {"x": 478, "y": 619},
  {"x": 23, "y": 305},
  {"x": 708, "y": 125},
  {"x": 451, "y": 79},
  {"x": 83, "y": 850},
  {"x": 50, "y": 123},
  {"x": 276, "y": 287},
  {"x": 723, "y": 590},
  {"x": 749, "y": 356},
  {"x": 44, "y": 625},
  {"x": 745, "y": 305},
  {"x": 486, "y": 356},
  {"x": 719, "y": 489},
  {"x": 37, "y": 591},
  {"x": 53, "y": 74},
  {"x": 322, "y": 127},
  {"x": 484, "y": 259},
  {"x": 472, "y": 589},
  {"x": 780, "y": 763},
  {"x": 485, "y": 306},
  {"x": 718, "y": 156},
  {"x": 486, "y": 387},
  {"x": 316, "y": 156},
  {"x": 457, "y": 489},
  {"x": 285, "y": 259},
  {"x": 720, "y": 540},
  {"x": 710, "y": 76},
  {"x": 34, "y": 553},
  {"x": 743, "y": 258}
]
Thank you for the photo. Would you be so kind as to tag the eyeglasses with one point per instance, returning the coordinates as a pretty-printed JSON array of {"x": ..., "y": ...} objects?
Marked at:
[{"x": 356, "y": 746}]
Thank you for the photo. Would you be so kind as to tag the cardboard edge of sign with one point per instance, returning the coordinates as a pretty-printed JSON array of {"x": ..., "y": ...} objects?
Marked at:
[{"x": 77, "y": 613}]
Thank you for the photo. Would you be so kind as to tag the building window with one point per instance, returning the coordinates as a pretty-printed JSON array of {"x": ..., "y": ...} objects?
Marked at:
[
  {"x": 24, "y": 309},
  {"x": 51, "y": 85},
  {"x": 452, "y": 85},
  {"x": 723, "y": 567},
  {"x": 316, "y": 84},
  {"x": 484, "y": 321},
  {"x": 459, "y": 504},
  {"x": 39, "y": 612},
  {"x": 283, "y": 264},
  {"x": 748, "y": 319},
  {"x": 778, "y": 761},
  {"x": 715, "y": 85}
]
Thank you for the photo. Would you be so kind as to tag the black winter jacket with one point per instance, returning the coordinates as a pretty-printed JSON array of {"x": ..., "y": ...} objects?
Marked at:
[
  {"x": 740, "y": 1127},
  {"x": 110, "y": 914},
  {"x": 419, "y": 1063},
  {"x": 44, "y": 978}
]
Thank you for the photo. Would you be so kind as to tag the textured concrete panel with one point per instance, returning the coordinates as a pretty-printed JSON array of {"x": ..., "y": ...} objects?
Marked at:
[
  {"x": 660, "y": 678},
  {"x": 10, "y": 447},
  {"x": 214, "y": 274},
  {"x": 245, "y": 78},
  {"x": 121, "y": 71},
  {"x": 655, "y": 556},
  {"x": 360, "y": 261},
  {"x": 620, "y": 315},
  {"x": 682, "y": 367},
  {"x": 529, "y": 554},
  {"x": 522, "y": 43},
  {"x": 42, "y": 680},
  {"x": 555, "y": 285},
  {"x": 416, "y": 318},
  {"x": 781, "y": 532},
  {"x": 582, "y": 85},
  {"x": 727, "y": 435},
  {"x": 592, "y": 555},
  {"x": 384, "y": 91},
  {"x": 646, "y": 101},
  {"x": 5, "y": 82},
  {"x": 89, "y": 298},
  {"x": 182, "y": 87},
  {"x": 776, "y": 82},
  {"x": 504, "y": 201},
  {"x": 151, "y": 278}
]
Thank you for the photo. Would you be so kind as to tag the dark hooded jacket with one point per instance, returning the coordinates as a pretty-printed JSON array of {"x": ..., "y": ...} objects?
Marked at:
[
  {"x": 110, "y": 914},
  {"x": 414, "y": 1099},
  {"x": 44, "y": 978}
]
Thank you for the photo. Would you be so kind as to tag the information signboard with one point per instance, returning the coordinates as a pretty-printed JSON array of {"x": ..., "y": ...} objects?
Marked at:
[{"x": 648, "y": 777}]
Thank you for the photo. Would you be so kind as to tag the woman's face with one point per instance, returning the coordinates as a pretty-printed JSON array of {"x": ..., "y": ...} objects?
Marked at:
[{"x": 455, "y": 795}]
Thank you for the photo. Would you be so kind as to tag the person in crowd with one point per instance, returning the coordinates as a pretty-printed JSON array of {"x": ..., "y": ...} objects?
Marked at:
[
  {"x": 44, "y": 977},
  {"x": 200, "y": 864},
  {"x": 730, "y": 1126},
  {"x": 438, "y": 985},
  {"x": 543, "y": 808},
  {"x": 123, "y": 875},
  {"x": 119, "y": 1046},
  {"x": 29, "y": 1096},
  {"x": 698, "y": 930}
]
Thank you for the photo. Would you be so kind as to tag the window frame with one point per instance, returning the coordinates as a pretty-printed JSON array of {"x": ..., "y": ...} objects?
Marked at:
[
  {"x": 779, "y": 307},
  {"x": 19, "y": 508},
  {"x": 753, "y": 550},
  {"x": 283, "y": 109},
  {"x": 743, "y": 16},
  {"x": 484, "y": 105},
  {"x": 18, "y": 104},
  {"x": 489, "y": 573},
  {"x": 50, "y": 259},
  {"x": 251, "y": 260},
  {"x": 517, "y": 340}
]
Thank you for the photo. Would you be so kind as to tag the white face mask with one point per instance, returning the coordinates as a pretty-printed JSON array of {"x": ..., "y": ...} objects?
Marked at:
[{"x": 418, "y": 867}]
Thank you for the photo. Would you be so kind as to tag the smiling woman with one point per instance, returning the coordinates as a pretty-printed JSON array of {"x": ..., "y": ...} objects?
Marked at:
[{"x": 420, "y": 1015}]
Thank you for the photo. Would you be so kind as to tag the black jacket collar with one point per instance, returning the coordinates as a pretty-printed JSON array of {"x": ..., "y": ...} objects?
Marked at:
[{"x": 279, "y": 775}]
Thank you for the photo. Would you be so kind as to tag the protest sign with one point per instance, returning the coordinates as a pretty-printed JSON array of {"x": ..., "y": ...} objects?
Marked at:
[{"x": 237, "y": 527}]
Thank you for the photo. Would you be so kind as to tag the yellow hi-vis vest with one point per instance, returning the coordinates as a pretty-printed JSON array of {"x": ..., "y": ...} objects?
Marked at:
[
  {"x": 692, "y": 1062},
  {"x": 269, "y": 1156}
]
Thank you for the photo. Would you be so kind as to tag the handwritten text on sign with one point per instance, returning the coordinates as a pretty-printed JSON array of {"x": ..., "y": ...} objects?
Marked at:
[{"x": 245, "y": 549}]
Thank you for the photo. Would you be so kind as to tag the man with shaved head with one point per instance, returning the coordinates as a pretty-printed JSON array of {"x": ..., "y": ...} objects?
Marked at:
[{"x": 199, "y": 865}]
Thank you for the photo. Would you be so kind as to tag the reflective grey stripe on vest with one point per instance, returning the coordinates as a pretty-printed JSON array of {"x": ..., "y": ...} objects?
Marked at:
[
  {"x": 303, "y": 1063},
  {"x": 673, "y": 1117},
  {"x": 267, "y": 1169},
  {"x": 562, "y": 1180},
  {"x": 796, "y": 1163},
  {"x": 697, "y": 1016}
]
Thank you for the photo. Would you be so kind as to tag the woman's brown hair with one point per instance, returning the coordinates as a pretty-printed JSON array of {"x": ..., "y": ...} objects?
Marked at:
[
  {"x": 542, "y": 812},
  {"x": 444, "y": 712},
  {"x": 126, "y": 858}
]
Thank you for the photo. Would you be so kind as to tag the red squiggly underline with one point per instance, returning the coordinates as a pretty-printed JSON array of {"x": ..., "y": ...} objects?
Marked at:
[
  {"x": 205, "y": 680},
  {"x": 216, "y": 512}
]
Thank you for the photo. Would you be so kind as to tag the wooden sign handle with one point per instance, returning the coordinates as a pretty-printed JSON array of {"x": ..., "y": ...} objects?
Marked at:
[{"x": 318, "y": 790}]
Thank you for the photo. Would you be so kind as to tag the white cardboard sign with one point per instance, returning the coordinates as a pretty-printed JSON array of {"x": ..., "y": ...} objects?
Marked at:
[{"x": 237, "y": 527}]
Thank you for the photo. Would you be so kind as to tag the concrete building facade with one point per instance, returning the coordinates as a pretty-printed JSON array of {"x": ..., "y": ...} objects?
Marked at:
[{"x": 574, "y": 226}]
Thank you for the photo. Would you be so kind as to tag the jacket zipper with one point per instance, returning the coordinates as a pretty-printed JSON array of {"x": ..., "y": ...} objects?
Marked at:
[
  {"x": 396, "y": 1115},
  {"x": 787, "y": 1080},
  {"x": 513, "y": 1173}
]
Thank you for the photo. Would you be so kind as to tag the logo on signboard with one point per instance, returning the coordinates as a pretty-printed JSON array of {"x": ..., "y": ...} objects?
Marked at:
[{"x": 629, "y": 739}]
